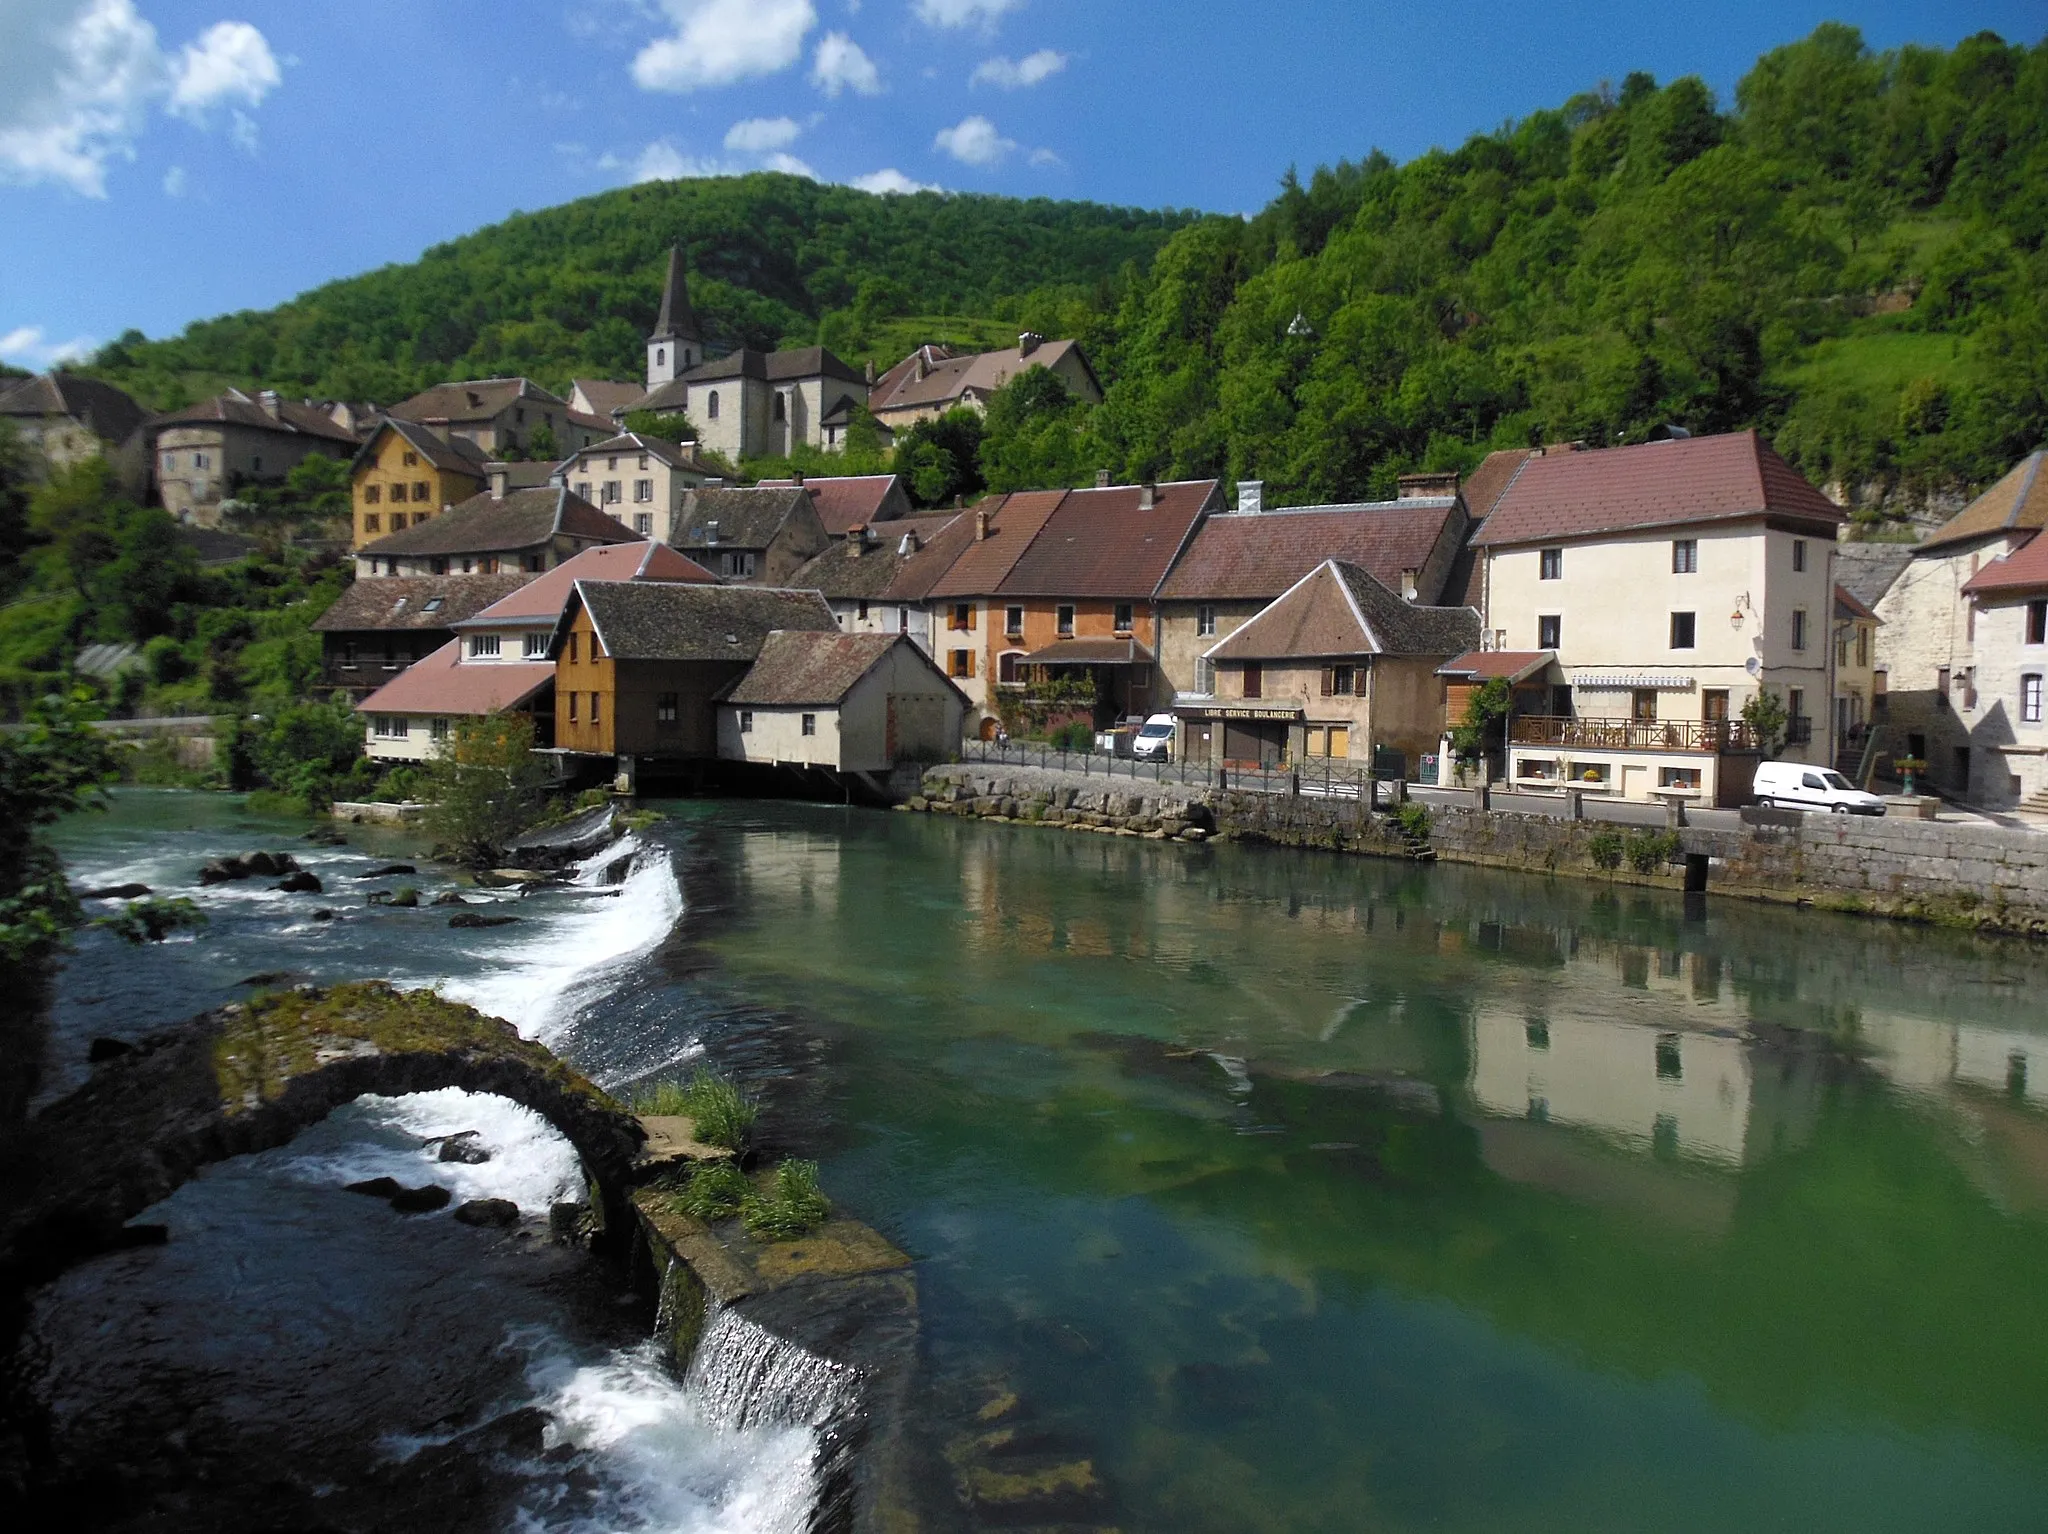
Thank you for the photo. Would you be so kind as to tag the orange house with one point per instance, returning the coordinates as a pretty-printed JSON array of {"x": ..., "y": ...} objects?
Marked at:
[{"x": 405, "y": 474}]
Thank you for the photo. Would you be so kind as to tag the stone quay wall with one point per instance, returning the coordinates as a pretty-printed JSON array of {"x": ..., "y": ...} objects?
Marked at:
[{"x": 1984, "y": 877}]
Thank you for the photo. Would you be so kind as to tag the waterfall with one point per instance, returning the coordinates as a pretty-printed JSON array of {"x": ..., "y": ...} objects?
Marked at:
[
  {"x": 744, "y": 1376},
  {"x": 665, "y": 1306}
]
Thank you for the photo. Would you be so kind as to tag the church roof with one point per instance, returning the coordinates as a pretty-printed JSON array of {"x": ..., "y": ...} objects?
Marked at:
[{"x": 677, "y": 318}]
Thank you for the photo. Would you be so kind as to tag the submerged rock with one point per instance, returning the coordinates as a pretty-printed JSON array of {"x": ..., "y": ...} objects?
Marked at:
[
  {"x": 117, "y": 892},
  {"x": 421, "y": 1200},
  {"x": 508, "y": 878},
  {"x": 223, "y": 871},
  {"x": 269, "y": 864},
  {"x": 496, "y": 1213},
  {"x": 570, "y": 1223},
  {"x": 449, "y": 897},
  {"x": 101, "y": 1050},
  {"x": 471, "y": 919},
  {"x": 388, "y": 871},
  {"x": 270, "y": 977},
  {"x": 407, "y": 897},
  {"x": 375, "y": 1187},
  {"x": 300, "y": 883},
  {"x": 323, "y": 914}
]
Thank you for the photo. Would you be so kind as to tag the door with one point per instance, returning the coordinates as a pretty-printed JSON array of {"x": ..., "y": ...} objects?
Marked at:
[
  {"x": 1635, "y": 782},
  {"x": 1812, "y": 789}
]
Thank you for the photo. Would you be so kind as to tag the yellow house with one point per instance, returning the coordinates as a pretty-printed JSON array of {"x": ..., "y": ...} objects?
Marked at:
[{"x": 405, "y": 474}]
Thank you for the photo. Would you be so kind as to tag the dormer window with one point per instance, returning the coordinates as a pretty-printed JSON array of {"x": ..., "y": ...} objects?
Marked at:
[{"x": 434, "y": 604}]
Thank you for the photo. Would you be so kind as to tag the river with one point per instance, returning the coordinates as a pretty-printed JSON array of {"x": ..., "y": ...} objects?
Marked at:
[{"x": 1276, "y": 1190}]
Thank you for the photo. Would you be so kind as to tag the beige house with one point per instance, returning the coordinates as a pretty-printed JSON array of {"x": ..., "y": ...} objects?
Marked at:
[
  {"x": 2009, "y": 671},
  {"x": 1238, "y": 562},
  {"x": 201, "y": 456},
  {"x": 1338, "y": 669},
  {"x": 1668, "y": 583},
  {"x": 753, "y": 536},
  {"x": 878, "y": 580},
  {"x": 530, "y": 530},
  {"x": 499, "y": 416},
  {"x": 1953, "y": 670},
  {"x": 846, "y": 702},
  {"x": 64, "y": 419},
  {"x": 935, "y": 379},
  {"x": 639, "y": 482}
]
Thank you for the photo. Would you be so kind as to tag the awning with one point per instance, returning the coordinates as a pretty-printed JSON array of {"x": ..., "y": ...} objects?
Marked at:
[
  {"x": 1090, "y": 652},
  {"x": 1667, "y": 681},
  {"x": 1510, "y": 665}
]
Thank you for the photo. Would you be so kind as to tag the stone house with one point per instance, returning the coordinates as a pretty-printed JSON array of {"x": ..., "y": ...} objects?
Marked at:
[
  {"x": 404, "y": 475},
  {"x": 1239, "y": 562},
  {"x": 935, "y": 379},
  {"x": 531, "y": 530},
  {"x": 754, "y": 535},
  {"x": 638, "y": 481},
  {"x": 498, "y": 416},
  {"x": 1935, "y": 659},
  {"x": 847, "y": 501},
  {"x": 200, "y": 456},
  {"x": 640, "y": 666},
  {"x": 879, "y": 580},
  {"x": 66, "y": 418},
  {"x": 1336, "y": 669},
  {"x": 377, "y": 628},
  {"x": 1670, "y": 582},
  {"x": 844, "y": 702},
  {"x": 2009, "y": 669}
]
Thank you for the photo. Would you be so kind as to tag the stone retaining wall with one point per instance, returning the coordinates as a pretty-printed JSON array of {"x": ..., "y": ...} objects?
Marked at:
[{"x": 1985, "y": 877}]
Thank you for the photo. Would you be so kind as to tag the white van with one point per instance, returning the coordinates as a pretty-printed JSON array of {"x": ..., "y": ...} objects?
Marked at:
[
  {"x": 1155, "y": 739},
  {"x": 1799, "y": 786}
]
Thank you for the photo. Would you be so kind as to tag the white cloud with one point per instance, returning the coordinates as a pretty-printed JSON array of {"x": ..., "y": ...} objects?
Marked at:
[
  {"x": 842, "y": 65},
  {"x": 719, "y": 42},
  {"x": 26, "y": 346},
  {"x": 78, "y": 77},
  {"x": 974, "y": 141},
  {"x": 1014, "y": 74},
  {"x": 662, "y": 161},
  {"x": 891, "y": 182},
  {"x": 759, "y": 135},
  {"x": 962, "y": 13},
  {"x": 1042, "y": 158},
  {"x": 230, "y": 64},
  {"x": 790, "y": 165},
  {"x": 174, "y": 181}
]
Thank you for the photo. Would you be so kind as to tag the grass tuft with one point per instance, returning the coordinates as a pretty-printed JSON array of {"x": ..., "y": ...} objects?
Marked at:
[
  {"x": 795, "y": 1207},
  {"x": 717, "y": 1190},
  {"x": 718, "y": 1110}
]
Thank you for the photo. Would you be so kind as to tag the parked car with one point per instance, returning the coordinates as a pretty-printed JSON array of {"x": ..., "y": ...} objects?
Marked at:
[
  {"x": 1154, "y": 742},
  {"x": 1799, "y": 786}
]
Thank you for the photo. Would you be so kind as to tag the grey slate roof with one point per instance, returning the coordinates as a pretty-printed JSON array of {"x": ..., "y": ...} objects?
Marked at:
[
  {"x": 798, "y": 667},
  {"x": 646, "y": 620},
  {"x": 106, "y": 410},
  {"x": 406, "y": 602},
  {"x": 456, "y": 454},
  {"x": 882, "y": 571},
  {"x": 524, "y": 519},
  {"x": 799, "y": 362},
  {"x": 1866, "y": 570},
  {"x": 747, "y": 518}
]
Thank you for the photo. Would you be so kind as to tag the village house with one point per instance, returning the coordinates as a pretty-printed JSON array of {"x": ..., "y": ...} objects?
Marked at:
[
  {"x": 485, "y": 667},
  {"x": 637, "y": 481},
  {"x": 499, "y": 416},
  {"x": 375, "y": 629},
  {"x": 404, "y": 474},
  {"x": 1856, "y": 674},
  {"x": 844, "y": 702},
  {"x": 64, "y": 419},
  {"x": 640, "y": 666},
  {"x": 847, "y": 501},
  {"x": 1337, "y": 669},
  {"x": 1072, "y": 626},
  {"x": 935, "y": 379},
  {"x": 878, "y": 580},
  {"x": 1954, "y": 652},
  {"x": 1664, "y": 585},
  {"x": 753, "y": 535},
  {"x": 1239, "y": 562},
  {"x": 2009, "y": 669},
  {"x": 204, "y": 454},
  {"x": 530, "y": 530},
  {"x": 963, "y": 637}
]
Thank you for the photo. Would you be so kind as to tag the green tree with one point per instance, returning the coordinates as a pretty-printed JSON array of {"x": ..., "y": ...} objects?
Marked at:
[
  {"x": 940, "y": 458},
  {"x": 1033, "y": 437},
  {"x": 54, "y": 764},
  {"x": 670, "y": 427},
  {"x": 1483, "y": 726},
  {"x": 484, "y": 787},
  {"x": 303, "y": 749},
  {"x": 1766, "y": 717}
]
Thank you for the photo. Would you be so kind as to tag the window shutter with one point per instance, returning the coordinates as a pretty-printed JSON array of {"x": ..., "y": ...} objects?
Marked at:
[
  {"x": 970, "y": 619},
  {"x": 1329, "y": 680},
  {"x": 970, "y": 658}
]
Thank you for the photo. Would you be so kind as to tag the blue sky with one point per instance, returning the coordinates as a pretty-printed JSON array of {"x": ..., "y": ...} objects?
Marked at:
[{"x": 166, "y": 160}]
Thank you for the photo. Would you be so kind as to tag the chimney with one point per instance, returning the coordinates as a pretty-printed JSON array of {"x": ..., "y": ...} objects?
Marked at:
[
  {"x": 1410, "y": 584},
  {"x": 1028, "y": 342},
  {"x": 856, "y": 542},
  {"x": 907, "y": 545},
  {"x": 1417, "y": 487},
  {"x": 1148, "y": 496},
  {"x": 269, "y": 401},
  {"x": 981, "y": 527},
  {"x": 1102, "y": 479},
  {"x": 499, "y": 475},
  {"x": 1251, "y": 495}
]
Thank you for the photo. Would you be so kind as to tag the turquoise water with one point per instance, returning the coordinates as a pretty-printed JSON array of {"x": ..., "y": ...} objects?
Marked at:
[{"x": 1305, "y": 1193}]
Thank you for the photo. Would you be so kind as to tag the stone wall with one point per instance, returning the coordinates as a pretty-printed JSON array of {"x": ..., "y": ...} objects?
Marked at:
[{"x": 1984, "y": 877}]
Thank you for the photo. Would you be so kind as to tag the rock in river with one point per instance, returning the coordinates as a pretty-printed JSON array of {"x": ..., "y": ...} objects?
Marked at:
[
  {"x": 375, "y": 1187},
  {"x": 389, "y": 869},
  {"x": 300, "y": 883},
  {"x": 102, "y": 1050},
  {"x": 448, "y": 897},
  {"x": 471, "y": 919},
  {"x": 117, "y": 892},
  {"x": 463, "y": 1148},
  {"x": 424, "y": 1200},
  {"x": 496, "y": 1212}
]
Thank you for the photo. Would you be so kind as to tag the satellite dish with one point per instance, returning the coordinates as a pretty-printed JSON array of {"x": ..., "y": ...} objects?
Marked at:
[{"x": 1753, "y": 666}]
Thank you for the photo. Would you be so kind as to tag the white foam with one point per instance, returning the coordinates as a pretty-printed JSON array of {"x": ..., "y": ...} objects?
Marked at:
[
  {"x": 662, "y": 1466},
  {"x": 531, "y": 1162},
  {"x": 540, "y": 984}
]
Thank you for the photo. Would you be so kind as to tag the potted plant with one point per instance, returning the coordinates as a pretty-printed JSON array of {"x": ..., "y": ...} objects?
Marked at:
[{"x": 1909, "y": 769}]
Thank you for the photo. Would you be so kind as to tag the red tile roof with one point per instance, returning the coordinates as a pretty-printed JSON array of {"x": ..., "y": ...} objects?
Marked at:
[
  {"x": 848, "y": 501},
  {"x": 2024, "y": 569},
  {"x": 1485, "y": 665},
  {"x": 1098, "y": 543},
  {"x": 1258, "y": 555},
  {"x": 545, "y": 595},
  {"x": 1339, "y": 609},
  {"x": 1485, "y": 485},
  {"x": 444, "y": 683},
  {"x": 1655, "y": 484},
  {"x": 984, "y": 563}
]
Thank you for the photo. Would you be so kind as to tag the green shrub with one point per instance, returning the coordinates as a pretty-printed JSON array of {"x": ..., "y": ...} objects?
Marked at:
[
  {"x": 794, "y": 1208},
  {"x": 717, "y": 1110},
  {"x": 1650, "y": 851},
  {"x": 1413, "y": 820},
  {"x": 151, "y": 921},
  {"x": 716, "y": 1190},
  {"x": 1605, "y": 848},
  {"x": 1074, "y": 735}
]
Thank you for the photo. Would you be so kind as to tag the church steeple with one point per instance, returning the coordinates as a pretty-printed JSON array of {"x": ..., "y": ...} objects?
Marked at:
[{"x": 677, "y": 345}]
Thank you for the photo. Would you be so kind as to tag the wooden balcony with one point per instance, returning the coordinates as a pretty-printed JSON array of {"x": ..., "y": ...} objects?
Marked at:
[{"x": 1705, "y": 736}]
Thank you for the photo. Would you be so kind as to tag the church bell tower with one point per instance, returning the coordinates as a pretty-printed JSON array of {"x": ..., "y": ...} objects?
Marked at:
[{"x": 676, "y": 345}]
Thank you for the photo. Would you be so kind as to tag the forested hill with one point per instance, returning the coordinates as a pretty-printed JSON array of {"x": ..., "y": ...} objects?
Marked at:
[
  {"x": 1849, "y": 255},
  {"x": 572, "y": 291}
]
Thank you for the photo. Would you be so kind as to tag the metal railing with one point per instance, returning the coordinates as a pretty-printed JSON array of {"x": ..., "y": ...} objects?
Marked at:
[
  {"x": 1324, "y": 777},
  {"x": 1702, "y": 735}
]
